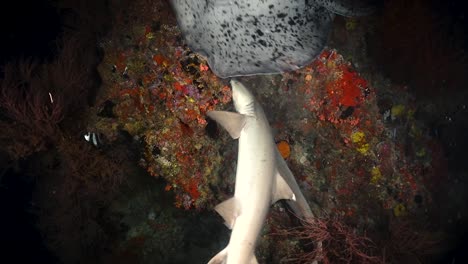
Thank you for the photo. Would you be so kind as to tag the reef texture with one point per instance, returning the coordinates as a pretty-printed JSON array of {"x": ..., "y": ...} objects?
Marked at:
[
  {"x": 158, "y": 92},
  {"x": 361, "y": 157},
  {"x": 355, "y": 146}
]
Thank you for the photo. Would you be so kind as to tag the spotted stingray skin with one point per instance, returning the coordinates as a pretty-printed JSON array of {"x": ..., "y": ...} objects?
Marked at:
[
  {"x": 349, "y": 8},
  {"x": 249, "y": 37}
]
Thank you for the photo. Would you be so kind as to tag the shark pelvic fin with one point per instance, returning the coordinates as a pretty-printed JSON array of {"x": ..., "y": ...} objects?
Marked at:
[
  {"x": 232, "y": 122},
  {"x": 300, "y": 206},
  {"x": 282, "y": 190},
  {"x": 220, "y": 258},
  {"x": 229, "y": 210}
]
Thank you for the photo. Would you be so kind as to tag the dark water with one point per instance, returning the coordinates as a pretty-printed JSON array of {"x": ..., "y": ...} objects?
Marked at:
[
  {"x": 29, "y": 28},
  {"x": 21, "y": 242}
]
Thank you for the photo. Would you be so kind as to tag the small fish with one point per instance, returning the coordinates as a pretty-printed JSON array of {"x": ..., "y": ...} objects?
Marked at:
[
  {"x": 246, "y": 37},
  {"x": 93, "y": 138}
]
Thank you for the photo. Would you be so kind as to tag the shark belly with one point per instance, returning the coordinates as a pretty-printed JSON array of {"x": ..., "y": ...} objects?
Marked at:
[
  {"x": 241, "y": 247},
  {"x": 254, "y": 185},
  {"x": 256, "y": 161}
]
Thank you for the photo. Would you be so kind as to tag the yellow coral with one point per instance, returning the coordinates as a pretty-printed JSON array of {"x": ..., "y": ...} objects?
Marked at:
[
  {"x": 410, "y": 114},
  {"x": 359, "y": 138},
  {"x": 376, "y": 175},
  {"x": 399, "y": 210},
  {"x": 415, "y": 131},
  {"x": 363, "y": 149},
  {"x": 421, "y": 153},
  {"x": 397, "y": 111},
  {"x": 351, "y": 24}
]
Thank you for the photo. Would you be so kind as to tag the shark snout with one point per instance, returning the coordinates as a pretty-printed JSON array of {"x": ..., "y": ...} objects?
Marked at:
[{"x": 243, "y": 99}]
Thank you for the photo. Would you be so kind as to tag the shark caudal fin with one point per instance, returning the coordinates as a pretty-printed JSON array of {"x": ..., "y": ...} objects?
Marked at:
[{"x": 220, "y": 258}]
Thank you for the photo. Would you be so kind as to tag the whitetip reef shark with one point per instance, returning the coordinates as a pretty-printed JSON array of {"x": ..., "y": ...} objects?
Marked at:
[
  {"x": 250, "y": 37},
  {"x": 262, "y": 178}
]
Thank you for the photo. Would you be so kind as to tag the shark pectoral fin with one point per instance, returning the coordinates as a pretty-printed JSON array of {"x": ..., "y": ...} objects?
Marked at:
[
  {"x": 232, "y": 122},
  {"x": 282, "y": 190},
  {"x": 229, "y": 210},
  {"x": 220, "y": 258}
]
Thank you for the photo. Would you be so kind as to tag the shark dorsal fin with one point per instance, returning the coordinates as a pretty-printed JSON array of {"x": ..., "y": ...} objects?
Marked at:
[
  {"x": 229, "y": 210},
  {"x": 282, "y": 190},
  {"x": 232, "y": 122}
]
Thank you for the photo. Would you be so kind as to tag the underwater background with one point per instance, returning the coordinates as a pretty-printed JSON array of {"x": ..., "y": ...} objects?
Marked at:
[{"x": 107, "y": 155}]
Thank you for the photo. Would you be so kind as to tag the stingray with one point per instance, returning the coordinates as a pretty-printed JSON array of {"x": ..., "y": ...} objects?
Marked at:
[{"x": 250, "y": 37}]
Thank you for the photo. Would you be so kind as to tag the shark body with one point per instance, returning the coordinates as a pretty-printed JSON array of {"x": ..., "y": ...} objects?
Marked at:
[{"x": 262, "y": 177}]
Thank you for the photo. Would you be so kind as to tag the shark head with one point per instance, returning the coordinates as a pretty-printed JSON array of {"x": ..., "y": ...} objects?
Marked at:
[{"x": 244, "y": 101}]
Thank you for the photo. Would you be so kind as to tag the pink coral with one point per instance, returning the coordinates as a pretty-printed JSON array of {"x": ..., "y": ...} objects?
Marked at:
[{"x": 334, "y": 242}]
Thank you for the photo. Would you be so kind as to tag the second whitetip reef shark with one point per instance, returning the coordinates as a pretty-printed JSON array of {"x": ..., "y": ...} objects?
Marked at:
[{"x": 262, "y": 178}]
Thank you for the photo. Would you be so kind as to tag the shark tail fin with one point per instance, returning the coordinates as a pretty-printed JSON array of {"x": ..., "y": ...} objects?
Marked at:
[{"x": 220, "y": 258}]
